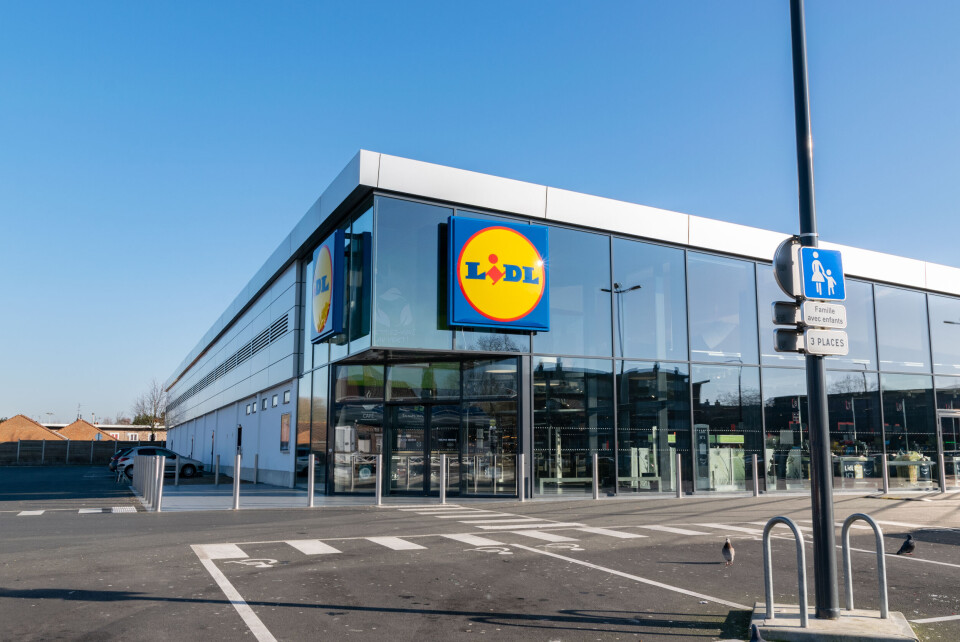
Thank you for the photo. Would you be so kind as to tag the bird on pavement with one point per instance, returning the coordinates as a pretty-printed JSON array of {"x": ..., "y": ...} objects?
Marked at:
[
  {"x": 908, "y": 547},
  {"x": 728, "y": 552}
]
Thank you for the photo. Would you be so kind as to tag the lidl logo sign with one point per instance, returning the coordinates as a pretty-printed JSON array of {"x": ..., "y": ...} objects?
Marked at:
[
  {"x": 499, "y": 275},
  {"x": 327, "y": 289}
]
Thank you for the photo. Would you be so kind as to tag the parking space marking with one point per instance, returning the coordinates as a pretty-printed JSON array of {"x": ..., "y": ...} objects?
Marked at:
[
  {"x": 29, "y": 512},
  {"x": 544, "y": 535},
  {"x": 739, "y": 529},
  {"x": 635, "y": 578},
  {"x": 502, "y": 520},
  {"x": 674, "y": 530},
  {"x": 462, "y": 515},
  {"x": 218, "y": 551},
  {"x": 254, "y": 623},
  {"x": 931, "y": 620},
  {"x": 507, "y": 527},
  {"x": 395, "y": 543},
  {"x": 312, "y": 547},
  {"x": 123, "y": 509},
  {"x": 93, "y": 511},
  {"x": 610, "y": 533},
  {"x": 473, "y": 540}
]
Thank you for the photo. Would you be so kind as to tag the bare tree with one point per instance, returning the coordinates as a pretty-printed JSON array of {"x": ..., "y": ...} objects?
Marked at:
[{"x": 150, "y": 407}]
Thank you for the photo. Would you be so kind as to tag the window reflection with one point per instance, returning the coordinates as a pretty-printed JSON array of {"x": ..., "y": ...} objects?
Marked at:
[
  {"x": 723, "y": 309},
  {"x": 318, "y": 431},
  {"x": 861, "y": 330},
  {"x": 356, "y": 382},
  {"x": 856, "y": 438},
  {"x": 902, "y": 332},
  {"x": 424, "y": 381},
  {"x": 909, "y": 425},
  {"x": 945, "y": 334},
  {"x": 359, "y": 278},
  {"x": 948, "y": 393},
  {"x": 768, "y": 292}
]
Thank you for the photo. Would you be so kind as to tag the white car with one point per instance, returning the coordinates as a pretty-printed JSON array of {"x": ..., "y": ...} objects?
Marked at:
[{"x": 188, "y": 467}]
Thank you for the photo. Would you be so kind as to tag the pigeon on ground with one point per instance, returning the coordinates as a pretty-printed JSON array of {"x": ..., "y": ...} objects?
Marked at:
[
  {"x": 755, "y": 634},
  {"x": 908, "y": 546},
  {"x": 728, "y": 552}
]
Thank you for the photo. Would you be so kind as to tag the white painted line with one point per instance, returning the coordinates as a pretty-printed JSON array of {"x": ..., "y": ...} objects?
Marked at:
[
  {"x": 635, "y": 578},
  {"x": 901, "y": 524},
  {"x": 502, "y": 520},
  {"x": 90, "y": 511},
  {"x": 550, "y": 537},
  {"x": 904, "y": 557},
  {"x": 395, "y": 543},
  {"x": 243, "y": 609},
  {"x": 673, "y": 529},
  {"x": 473, "y": 540},
  {"x": 123, "y": 509},
  {"x": 929, "y": 620},
  {"x": 29, "y": 512},
  {"x": 461, "y": 515},
  {"x": 415, "y": 508},
  {"x": 312, "y": 547},
  {"x": 218, "y": 551},
  {"x": 739, "y": 529},
  {"x": 610, "y": 533},
  {"x": 507, "y": 527}
]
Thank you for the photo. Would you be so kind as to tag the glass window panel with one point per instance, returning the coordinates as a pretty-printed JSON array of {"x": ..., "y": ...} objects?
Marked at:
[
  {"x": 723, "y": 309},
  {"x": 727, "y": 425},
  {"x": 579, "y": 265},
  {"x": 909, "y": 417},
  {"x": 856, "y": 438},
  {"x": 948, "y": 393},
  {"x": 653, "y": 424},
  {"x": 356, "y": 382},
  {"x": 358, "y": 439},
  {"x": 410, "y": 275},
  {"x": 487, "y": 340},
  {"x": 359, "y": 281},
  {"x": 490, "y": 450},
  {"x": 487, "y": 379},
  {"x": 786, "y": 452},
  {"x": 768, "y": 292},
  {"x": 650, "y": 301},
  {"x": 572, "y": 419},
  {"x": 318, "y": 430},
  {"x": 424, "y": 381},
  {"x": 902, "y": 331},
  {"x": 337, "y": 344},
  {"x": 303, "y": 413},
  {"x": 861, "y": 330},
  {"x": 945, "y": 334},
  {"x": 307, "y": 318}
]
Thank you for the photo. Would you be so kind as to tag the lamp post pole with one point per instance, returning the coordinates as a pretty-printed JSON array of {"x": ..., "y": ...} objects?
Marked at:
[{"x": 821, "y": 478}]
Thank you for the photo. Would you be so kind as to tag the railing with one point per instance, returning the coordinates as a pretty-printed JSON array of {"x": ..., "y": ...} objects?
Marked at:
[
  {"x": 881, "y": 561},
  {"x": 801, "y": 569}
]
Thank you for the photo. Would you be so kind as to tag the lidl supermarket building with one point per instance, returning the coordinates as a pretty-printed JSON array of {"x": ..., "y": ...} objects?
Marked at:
[{"x": 419, "y": 310}]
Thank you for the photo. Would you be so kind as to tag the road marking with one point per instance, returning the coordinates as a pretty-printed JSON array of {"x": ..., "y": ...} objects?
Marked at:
[
  {"x": 677, "y": 531},
  {"x": 218, "y": 551},
  {"x": 395, "y": 543},
  {"x": 123, "y": 509},
  {"x": 473, "y": 540},
  {"x": 243, "y": 609},
  {"x": 929, "y": 620},
  {"x": 29, "y": 512},
  {"x": 507, "y": 527},
  {"x": 433, "y": 507},
  {"x": 635, "y": 578},
  {"x": 901, "y": 524},
  {"x": 312, "y": 547},
  {"x": 465, "y": 511},
  {"x": 549, "y": 537},
  {"x": 93, "y": 511},
  {"x": 610, "y": 533},
  {"x": 727, "y": 527},
  {"x": 462, "y": 515},
  {"x": 503, "y": 520}
]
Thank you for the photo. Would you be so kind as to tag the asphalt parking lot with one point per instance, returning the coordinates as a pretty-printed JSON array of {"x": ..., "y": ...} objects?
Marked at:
[{"x": 570, "y": 570}]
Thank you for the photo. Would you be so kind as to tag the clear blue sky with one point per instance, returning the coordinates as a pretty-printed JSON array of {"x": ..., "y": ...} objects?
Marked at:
[{"x": 153, "y": 154}]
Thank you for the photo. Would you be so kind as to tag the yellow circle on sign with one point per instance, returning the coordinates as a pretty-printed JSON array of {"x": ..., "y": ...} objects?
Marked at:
[
  {"x": 501, "y": 274},
  {"x": 322, "y": 289}
]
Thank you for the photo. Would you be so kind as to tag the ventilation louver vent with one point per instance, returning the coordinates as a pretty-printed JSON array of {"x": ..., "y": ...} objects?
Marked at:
[{"x": 276, "y": 330}]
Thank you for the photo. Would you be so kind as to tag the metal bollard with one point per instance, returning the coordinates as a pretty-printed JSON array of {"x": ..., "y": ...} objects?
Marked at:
[
  {"x": 216, "y": 474},
  {"x": 596, "y": 476},
  {"x": 886, "y": 476},
  {"x": 66, "y": 459},
  {"x": 521, "y": 479},
  {"x": 176, "y": 472},
  {"x": 756, "y": 478},
  {"x": 91, "y": 451},
  {"x": 18, "y": 451},
  {"x": 943, "y": 475},
  {"x": 236, "y": 483},
  {"x": 43, "y": 449},
  {"x": 310, "y": 479},
  {"x": 160, "y": 468},
  {"x": 256, "y": 467},
  {"x": 379, "y": 481},
  {"x": 679, "y": 479},
  {"x": 443, "y": 479}
]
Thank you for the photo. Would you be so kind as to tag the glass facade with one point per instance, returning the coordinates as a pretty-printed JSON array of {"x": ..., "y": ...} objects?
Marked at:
[{"x": 653, "y": 352}]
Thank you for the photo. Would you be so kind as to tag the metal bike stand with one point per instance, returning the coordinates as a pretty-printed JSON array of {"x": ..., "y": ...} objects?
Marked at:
[
  {"x": 801, "y": 568},
  {"x": 881, "y": 562}
]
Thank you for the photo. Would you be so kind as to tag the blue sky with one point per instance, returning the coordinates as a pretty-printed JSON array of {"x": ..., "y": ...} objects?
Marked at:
[{"x": 152, "y": 155}]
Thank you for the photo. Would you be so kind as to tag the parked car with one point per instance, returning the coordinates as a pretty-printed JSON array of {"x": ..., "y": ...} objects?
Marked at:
[
  {"x": 117, "y": 455},
  {"x": 188, "y": 467}
]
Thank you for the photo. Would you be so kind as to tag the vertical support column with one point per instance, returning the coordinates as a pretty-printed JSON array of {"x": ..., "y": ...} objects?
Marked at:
[
  {"x": 886, "y": 475},
  {"x": 66, "y": 459},
  {"x": 596, "y": 476},
  {"x": 161, "y": 463},
  {"x": 256, "y": 467},
  {"x": 679, "y": 484},
  {"x": 91, "y": 451},
  {"x": 756, "y": 478},
  {"x": 443, "y": 479},
  {"x": 311, "y": 474},
  {"x": 521, "y": 478},
  {"x": 379, "y": 484},
  {"x": 236, "y": 483},
  {"x": 18, "y": 451},
  {"x": 216, "y": 473}
]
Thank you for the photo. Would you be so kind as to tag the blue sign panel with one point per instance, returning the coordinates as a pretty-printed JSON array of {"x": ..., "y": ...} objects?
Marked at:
[
  {"x": 822, "y": 274},
  {"x": 499, "y": 275},
  {"x": 326, "y": 292}
]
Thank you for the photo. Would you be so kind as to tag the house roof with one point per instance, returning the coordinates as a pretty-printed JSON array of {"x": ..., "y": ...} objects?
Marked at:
[
  {"x": 81, "y": 430},
  {"x": 25, "y": 428}
]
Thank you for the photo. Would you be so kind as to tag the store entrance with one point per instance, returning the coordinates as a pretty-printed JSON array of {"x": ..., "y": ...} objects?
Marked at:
[
  {"x": 415, "y": 438},
  {"x": 949, "y": 421}
]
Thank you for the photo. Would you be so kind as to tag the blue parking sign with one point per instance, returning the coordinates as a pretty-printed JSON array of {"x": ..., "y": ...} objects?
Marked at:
[{"x": 822, "y": 274}]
